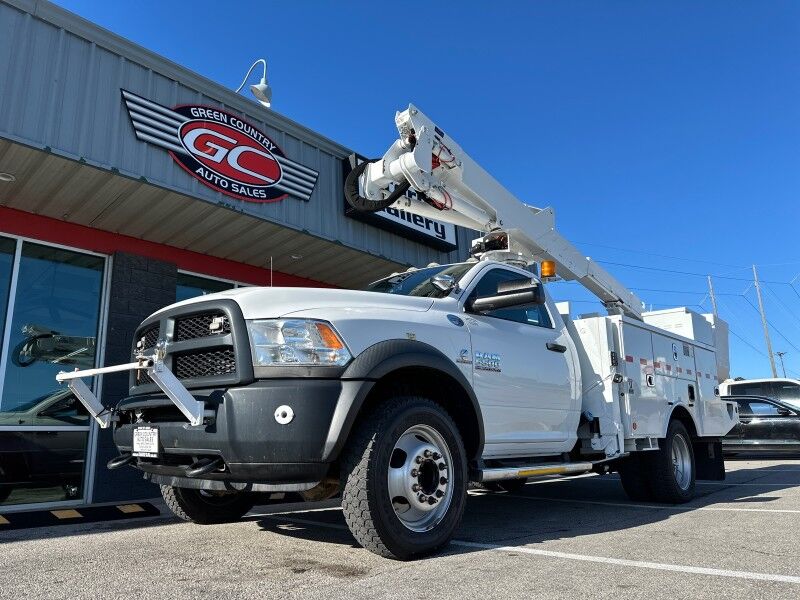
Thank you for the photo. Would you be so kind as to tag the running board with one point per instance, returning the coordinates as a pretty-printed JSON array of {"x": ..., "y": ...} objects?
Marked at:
[{"x": 523, "y": 471}]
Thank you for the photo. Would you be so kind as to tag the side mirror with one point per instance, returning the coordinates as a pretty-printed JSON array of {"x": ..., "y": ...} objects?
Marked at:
[
  {"x": 518, "y": 293},
  {"x": 444, "y": 283}
]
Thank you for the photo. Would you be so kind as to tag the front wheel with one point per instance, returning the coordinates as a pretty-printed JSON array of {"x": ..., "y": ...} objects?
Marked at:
[
  {"x": 404, "y": 478},
  {"x": 673, "y": 468},
  {"x": 207, "y": 507}
]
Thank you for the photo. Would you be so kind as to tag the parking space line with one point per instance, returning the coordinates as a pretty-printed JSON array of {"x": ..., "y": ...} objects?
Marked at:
[
  {"x": 610, "y": 478},
  {"x": 640, "y": 564},
  {"x": 623, "y": 562},
  {"x": 652, "y": 506}
]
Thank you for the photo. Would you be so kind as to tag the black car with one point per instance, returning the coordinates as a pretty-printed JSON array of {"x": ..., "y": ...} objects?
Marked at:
[{"x": 765, "y": 425}]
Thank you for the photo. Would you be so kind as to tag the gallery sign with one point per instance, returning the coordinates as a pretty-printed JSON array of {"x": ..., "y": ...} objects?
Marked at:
[
  {"x": 401, "y": 221},
  {"x": 221, "y": 149}
]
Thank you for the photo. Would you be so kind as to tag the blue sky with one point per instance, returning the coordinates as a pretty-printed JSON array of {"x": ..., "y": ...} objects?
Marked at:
[{"x": 666, "y": 135}]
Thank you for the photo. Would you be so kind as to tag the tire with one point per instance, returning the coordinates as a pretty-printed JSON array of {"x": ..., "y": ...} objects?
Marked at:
[
  {"x": 672, "y": 483},
  {"x": 384, "y": 512},
  {"x": 207, "y": 508},
  {"x": 634, "y": 476}
]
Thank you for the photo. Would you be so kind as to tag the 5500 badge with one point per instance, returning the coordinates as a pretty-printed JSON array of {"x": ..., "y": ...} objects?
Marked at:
[{"x": 222, "y": 150}]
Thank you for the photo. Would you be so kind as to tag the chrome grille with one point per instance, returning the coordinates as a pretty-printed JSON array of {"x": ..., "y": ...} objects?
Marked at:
[
  {"x": 205, "y": 364},
  {"x": 200, "y": 326}
]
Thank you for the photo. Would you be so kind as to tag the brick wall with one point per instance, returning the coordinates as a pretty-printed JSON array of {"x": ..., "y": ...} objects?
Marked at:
[{"x": 139, "y": 287}]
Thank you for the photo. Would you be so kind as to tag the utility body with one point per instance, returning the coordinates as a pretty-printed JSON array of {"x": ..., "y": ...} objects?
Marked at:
[{"x": 400, "y": 395}]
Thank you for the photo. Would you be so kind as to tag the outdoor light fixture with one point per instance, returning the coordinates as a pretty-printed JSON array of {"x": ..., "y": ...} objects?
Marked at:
[
  {"x": 7, "y": 178},
  {"x": 261, "y": 90}
]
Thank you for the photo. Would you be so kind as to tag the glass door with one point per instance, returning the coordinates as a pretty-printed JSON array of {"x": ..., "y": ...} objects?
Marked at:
[{"x": 50, "y": 298}]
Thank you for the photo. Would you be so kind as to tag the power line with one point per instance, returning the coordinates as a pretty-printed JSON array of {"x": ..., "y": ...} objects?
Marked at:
[
  {"x": 608, "y": 262},
  {"x": 693, "y": 260}
]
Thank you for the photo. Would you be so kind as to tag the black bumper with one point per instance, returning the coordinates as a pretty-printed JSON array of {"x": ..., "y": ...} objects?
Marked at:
[{"x": 243, "y": 431}]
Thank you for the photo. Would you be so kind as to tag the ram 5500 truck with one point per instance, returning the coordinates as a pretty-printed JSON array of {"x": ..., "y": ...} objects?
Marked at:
[{"x": 400, "y": 395}]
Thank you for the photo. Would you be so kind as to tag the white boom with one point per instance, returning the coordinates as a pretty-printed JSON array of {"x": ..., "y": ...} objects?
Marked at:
[{"x": 450, "y": 186}]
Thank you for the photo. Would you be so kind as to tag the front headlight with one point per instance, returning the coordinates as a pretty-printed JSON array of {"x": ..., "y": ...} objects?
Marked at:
[{"x": 300, "y": 342}]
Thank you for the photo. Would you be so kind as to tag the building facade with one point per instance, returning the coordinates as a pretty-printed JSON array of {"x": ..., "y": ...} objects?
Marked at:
[{"x": 127, "y": 183}]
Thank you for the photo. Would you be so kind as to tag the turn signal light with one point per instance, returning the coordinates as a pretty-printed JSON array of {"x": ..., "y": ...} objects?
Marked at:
[
  {"x": 329, "y": 336},
  {"x": 548, "y": 268}
]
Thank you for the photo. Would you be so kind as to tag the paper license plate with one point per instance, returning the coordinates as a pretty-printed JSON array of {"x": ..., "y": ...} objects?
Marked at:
[{"x": 145, "y": 442}]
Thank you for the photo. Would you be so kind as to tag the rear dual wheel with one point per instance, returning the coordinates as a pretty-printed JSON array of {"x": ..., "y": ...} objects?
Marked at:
[
  {"x": 404, "y": 477},
  {"x": 665, "y": 475}
]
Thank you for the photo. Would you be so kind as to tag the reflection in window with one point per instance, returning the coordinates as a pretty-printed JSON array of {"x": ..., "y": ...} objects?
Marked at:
[
  {"x": 41, "y": 466},
  {"x": 54, "y": 323},
  {"x": 192, "y": 286},
  {"x": 7, "y": 248}
]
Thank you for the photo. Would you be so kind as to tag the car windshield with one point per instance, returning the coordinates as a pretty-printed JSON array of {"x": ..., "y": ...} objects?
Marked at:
[{"x": 418, "y": 282}]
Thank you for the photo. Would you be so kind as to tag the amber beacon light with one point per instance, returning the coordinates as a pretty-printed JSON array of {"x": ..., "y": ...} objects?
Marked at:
[{"x": 548, "y": 268}]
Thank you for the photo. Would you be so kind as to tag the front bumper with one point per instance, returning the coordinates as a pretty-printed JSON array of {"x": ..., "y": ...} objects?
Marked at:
[{"x": 242, "y": 430}]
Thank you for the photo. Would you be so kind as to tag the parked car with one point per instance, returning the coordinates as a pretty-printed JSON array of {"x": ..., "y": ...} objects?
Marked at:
[
  {"x": 39, "y": 457},
  {"x": 765, "y": 425},
  {"x": 782, "y": 389}
]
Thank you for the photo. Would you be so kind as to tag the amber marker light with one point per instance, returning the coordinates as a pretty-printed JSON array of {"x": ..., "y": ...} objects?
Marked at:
[
  {"x": 548, "y": 268},
  {"x": 329, "y": 336}
]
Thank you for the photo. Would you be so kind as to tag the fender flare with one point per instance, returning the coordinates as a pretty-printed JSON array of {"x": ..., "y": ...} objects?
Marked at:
[{"x": 373, "y": 364}]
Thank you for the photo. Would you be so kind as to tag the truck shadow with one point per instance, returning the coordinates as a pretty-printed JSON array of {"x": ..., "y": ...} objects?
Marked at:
[{"x": 560, "y": 508}]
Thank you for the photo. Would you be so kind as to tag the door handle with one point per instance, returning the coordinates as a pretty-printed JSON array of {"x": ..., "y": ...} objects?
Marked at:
[{"x": 556, "y": 347}]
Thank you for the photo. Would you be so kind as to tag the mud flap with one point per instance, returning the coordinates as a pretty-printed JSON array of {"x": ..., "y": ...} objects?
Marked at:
[{"x": 708, "y": 459}]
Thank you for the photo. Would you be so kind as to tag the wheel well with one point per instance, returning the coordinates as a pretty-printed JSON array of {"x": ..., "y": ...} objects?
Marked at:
[
  {"x": 439, "y": 387},
  {"x": 681, "y": 414}
]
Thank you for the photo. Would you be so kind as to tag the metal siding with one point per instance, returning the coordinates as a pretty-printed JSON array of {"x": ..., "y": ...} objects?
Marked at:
[{"x": 86, "y": 120}]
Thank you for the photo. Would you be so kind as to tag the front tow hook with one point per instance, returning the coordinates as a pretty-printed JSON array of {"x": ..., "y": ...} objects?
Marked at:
[
  {"x": 203, "y": 466},
  {"x": 119, "y": 461}
]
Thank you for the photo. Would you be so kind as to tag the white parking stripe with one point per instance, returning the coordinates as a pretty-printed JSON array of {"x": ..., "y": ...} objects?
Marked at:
[
  {"x": 653, "y": 506},
  {"x": 612, "y": 478},
  {"x": 641, "y": 564}
]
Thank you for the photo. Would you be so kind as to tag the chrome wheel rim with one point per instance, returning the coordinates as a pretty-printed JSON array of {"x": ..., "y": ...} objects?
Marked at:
[
  {"x": 681, "y": 462},
  {"x": 420, "y": 487}
]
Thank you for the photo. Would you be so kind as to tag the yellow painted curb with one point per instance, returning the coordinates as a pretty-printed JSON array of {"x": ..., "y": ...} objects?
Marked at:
[
  {"x": 3, "y": 521},
  {"x": 66, "y": 514},
  {"x": 130, "y": 508}
]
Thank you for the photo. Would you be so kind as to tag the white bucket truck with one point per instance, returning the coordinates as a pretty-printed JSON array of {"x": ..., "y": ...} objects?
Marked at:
[{"x": 400, "y": 395}]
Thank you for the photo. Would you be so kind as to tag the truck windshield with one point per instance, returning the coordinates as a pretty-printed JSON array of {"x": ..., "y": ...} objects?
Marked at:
[{"x": 418, "y": 283}]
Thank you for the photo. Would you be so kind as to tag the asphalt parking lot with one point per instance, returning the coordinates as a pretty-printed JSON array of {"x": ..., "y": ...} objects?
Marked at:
[{"x": 559, "y": 538}]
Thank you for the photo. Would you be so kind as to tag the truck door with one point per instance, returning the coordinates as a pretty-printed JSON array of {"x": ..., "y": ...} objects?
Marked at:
[{"x": 522, "y": 375}]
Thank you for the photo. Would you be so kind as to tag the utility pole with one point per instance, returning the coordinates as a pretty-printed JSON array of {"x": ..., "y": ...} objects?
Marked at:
[
  {"x": 764, "y": 322},
  {"x": 783, "y": 367},
  {"x": 713, "y": 297}
]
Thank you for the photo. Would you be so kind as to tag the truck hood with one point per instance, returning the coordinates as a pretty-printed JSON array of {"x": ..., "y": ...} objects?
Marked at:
[{"x": 273, "y": 302}]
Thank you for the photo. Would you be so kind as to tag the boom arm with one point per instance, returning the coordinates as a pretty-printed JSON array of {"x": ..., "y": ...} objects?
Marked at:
[{"x": 450, "y": 186}]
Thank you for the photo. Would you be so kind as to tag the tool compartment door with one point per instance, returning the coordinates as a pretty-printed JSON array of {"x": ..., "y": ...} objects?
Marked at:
[{"x": 647, "y": 402}]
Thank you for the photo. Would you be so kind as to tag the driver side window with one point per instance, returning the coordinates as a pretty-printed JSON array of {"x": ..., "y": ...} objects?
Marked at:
[{"x": 487, "y": 286}]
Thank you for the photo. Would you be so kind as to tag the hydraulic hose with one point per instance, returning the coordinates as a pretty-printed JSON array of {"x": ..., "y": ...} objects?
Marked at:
[{"x": 362, "y": 204}]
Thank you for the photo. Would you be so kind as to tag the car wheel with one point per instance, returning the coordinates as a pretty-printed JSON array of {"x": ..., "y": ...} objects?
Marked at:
[
  {"x": 404, "y": 478},
  {"x": 207, "y": 507}
]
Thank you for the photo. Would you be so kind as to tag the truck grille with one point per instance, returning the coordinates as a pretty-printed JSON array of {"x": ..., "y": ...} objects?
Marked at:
[
  {"x": 150, "y": 336},
  {"x": 200, "y": 326},
  {"x": 208, "y": 363}
]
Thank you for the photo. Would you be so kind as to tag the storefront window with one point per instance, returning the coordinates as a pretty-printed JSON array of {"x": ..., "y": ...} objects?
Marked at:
[
  {"x": 53, "y": 327},
  {"x": 7, "y": 248},
  {"x": 191, "y": 286}
]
